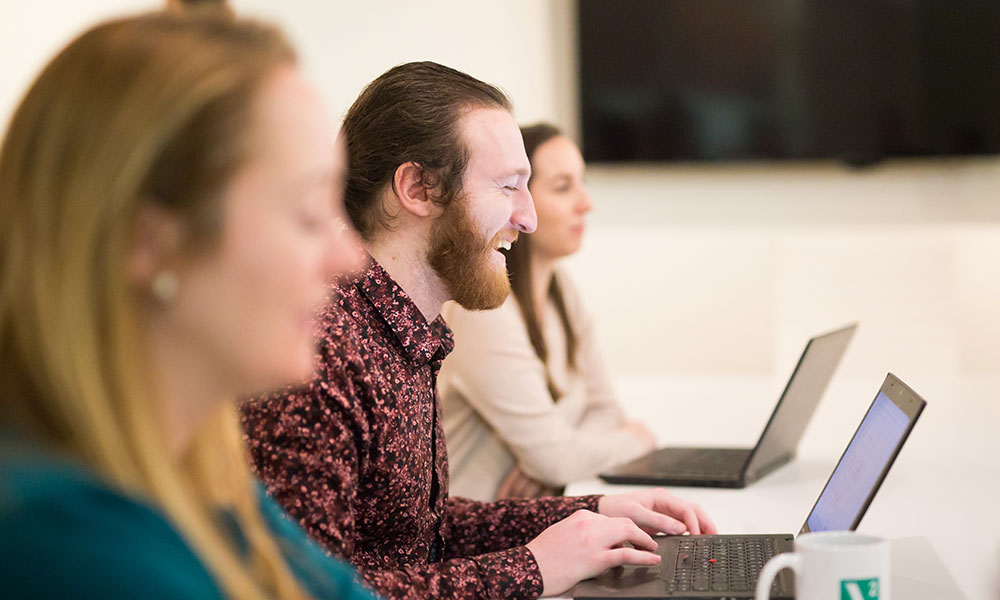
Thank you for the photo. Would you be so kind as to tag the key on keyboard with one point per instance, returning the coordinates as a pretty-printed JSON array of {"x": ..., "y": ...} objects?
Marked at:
[{"x": 725, "y": 564}]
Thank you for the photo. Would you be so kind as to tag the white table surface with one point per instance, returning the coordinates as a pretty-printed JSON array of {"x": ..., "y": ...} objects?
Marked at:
[{"x": 944, "y": 486}]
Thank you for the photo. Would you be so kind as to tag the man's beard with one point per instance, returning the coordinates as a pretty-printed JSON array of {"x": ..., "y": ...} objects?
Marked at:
[{"x": 460, "y": 257}]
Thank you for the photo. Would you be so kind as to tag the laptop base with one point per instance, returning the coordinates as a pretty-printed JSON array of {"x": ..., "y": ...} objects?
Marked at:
[
  {"x": 698, "y": 467},
  {"x": 738, "y": 467},
  {"x": 681, "y": 562}
]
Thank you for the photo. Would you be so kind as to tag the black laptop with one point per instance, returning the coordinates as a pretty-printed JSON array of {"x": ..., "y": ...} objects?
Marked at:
[
  {"x": 726, "y": 566},
  {"x": 738, "y": 467}
]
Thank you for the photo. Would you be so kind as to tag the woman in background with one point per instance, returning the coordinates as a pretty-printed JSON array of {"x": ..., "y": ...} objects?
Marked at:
[
  {"x": 168, "y": 195},
  {"x": 527, "y": 401}
]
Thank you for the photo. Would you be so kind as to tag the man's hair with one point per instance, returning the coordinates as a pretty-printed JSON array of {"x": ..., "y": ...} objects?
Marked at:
[{"x": 410, "y": 113}]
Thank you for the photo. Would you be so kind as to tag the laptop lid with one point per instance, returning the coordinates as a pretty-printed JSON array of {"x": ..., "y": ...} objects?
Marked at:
[
  {"x": 798, "y": 402},
  {"x": 841, "y": 505},
  {"x": 866, "y": 461}
]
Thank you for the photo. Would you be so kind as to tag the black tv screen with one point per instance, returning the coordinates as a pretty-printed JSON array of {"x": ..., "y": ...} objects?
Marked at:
[{"x": 856, "y": 80}]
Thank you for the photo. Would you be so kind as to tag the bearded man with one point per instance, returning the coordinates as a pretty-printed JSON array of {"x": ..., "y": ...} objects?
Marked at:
[{"x": 437, "y": 186}]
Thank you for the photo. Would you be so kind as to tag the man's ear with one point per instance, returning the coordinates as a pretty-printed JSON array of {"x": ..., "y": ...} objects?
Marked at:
[
  {"x": 154, "y": 245},
  {"x": 408, "y": 182}
]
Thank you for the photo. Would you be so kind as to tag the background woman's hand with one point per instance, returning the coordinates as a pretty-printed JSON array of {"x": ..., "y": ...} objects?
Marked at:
[
  {"x": 519, "y": 485},
  {"x": 642, "y": 432}
]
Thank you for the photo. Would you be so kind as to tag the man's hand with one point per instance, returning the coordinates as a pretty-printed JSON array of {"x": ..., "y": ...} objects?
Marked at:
[
  {"x": 657, "y": 511},
  {"x": 586, "y": 544}
]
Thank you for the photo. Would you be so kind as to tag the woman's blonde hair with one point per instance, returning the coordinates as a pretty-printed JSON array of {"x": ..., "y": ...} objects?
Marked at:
[{"x": 155, "y": 108}]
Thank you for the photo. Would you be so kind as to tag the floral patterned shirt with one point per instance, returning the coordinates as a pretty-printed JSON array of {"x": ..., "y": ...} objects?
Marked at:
[{"x": 358, "y": 456}]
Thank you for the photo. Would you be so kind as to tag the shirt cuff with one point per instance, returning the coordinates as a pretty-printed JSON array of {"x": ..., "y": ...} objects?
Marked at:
[
  {"x": 588, "y": 502},
  {"x": 511, "y": 574}
]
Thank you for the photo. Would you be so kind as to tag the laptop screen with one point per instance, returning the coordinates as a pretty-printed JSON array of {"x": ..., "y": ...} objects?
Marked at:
[{"x": 861, "y": 467}]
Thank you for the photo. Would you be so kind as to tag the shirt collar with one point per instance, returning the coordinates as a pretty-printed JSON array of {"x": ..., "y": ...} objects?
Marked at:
[{"x": 422, "y": 342}]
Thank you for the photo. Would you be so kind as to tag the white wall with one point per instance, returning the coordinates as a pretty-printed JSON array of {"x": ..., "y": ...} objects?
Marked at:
[
  {"x": 731, "y": 270},
  {"x": 344, "y": 45},
  {"x": 708, "y": 270},
  {"x": 32, "y": 32}
]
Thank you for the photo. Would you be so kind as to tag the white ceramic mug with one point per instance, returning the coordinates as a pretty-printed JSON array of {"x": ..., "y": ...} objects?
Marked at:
[{"x": 833, "y": 565}]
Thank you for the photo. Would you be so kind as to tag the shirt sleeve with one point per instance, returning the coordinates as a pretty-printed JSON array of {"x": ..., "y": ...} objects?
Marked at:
[
  {"x": 472, "y": 527},
  {"x": 306, "y": 453},
  {"x": 484, "y": 551},
  {"x": 306, "y": 445},
  {"x": 496, "y": 371},
  {"x": 506, "y": 575}
]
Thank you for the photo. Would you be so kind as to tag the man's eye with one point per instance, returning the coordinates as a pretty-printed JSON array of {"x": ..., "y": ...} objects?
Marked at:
[{"x": 510, "y": 188}]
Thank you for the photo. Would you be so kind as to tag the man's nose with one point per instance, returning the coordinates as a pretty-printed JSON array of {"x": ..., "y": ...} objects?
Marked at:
[{"x": 524, "y": 218}]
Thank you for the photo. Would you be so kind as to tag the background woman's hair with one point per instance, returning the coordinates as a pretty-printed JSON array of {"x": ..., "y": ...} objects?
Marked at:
[
  {"x": 156, "y": 109},
  {"x": 521, "y": 284}
]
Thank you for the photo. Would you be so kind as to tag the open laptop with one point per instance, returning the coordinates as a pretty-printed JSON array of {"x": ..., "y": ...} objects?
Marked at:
[
  {"x": 738, "y": 467},
  {"x": 726, "y": 566}
]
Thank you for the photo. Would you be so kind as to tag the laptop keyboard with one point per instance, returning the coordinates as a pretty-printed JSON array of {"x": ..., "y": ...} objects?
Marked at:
[
  {"x": 729, "y": 564},
  {"x": 702, "y": 463}
]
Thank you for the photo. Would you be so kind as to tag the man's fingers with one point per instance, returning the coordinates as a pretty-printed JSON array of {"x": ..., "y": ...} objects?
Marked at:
[
  {"x": 629, "y": 556},
  {"x": 690, "y": 513},
  {"x": 690, "y": 518},
  {"x": 651, "y": 519},
  {"x": 631, "y": 533},
  {"x": 707, "y": 525}
]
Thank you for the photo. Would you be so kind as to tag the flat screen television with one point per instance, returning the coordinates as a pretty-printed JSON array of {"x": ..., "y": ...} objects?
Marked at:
[{"x": 749, "y": 80}]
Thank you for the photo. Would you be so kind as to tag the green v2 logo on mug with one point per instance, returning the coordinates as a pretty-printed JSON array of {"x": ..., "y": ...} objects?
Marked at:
[{"x": 859, "y": 589}]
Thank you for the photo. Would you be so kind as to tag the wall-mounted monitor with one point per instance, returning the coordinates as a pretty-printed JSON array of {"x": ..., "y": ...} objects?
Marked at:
[{"x": 748, "y": 80}]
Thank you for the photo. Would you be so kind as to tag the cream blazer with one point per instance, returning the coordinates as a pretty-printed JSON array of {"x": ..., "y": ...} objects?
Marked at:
[{"x": 497, "y": 411}]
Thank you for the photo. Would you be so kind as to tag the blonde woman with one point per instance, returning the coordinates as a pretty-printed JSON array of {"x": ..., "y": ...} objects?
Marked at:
[
  {"x": 527, "y": 401},
  {"x": 168, "y": 193}
]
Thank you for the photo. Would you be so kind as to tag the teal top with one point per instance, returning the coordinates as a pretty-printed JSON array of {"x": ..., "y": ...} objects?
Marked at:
[{"x": 66, "y": 534}]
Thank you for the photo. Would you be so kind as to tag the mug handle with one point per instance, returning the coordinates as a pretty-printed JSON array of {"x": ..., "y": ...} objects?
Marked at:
[{"x": 787, "y": 560}]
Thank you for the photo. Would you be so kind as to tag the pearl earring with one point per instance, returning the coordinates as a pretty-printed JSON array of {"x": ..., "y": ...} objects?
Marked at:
[{"x": 165, "y": 287}]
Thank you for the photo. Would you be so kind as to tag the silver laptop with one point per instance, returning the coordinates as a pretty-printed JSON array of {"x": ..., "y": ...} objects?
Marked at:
[
  {"x": 738, "y": 467},
  {"x": 726, "y": 566}
]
